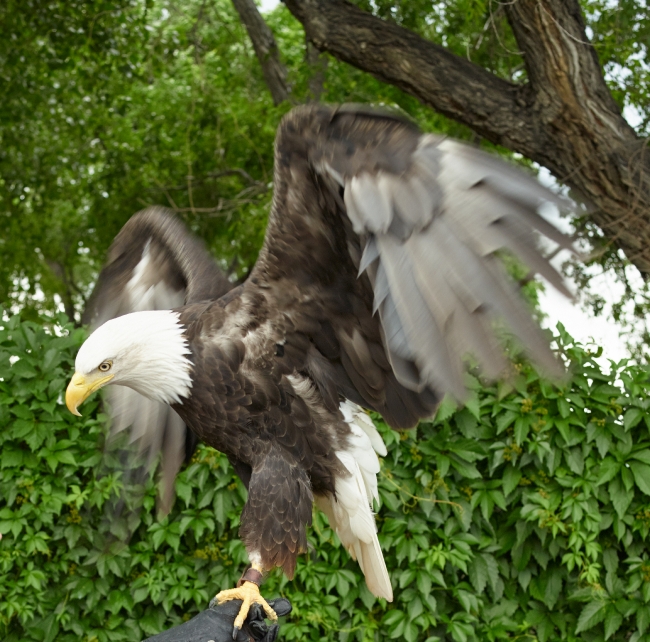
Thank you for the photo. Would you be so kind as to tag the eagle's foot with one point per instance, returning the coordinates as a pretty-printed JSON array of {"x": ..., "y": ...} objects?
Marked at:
[{"x": 249, "y": 594}]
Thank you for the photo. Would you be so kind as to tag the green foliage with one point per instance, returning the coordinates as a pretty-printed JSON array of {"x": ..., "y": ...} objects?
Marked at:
[
  {"x": 142, "y": 104},
  {"x": 112, "y": 105},
  {"x": 620, "y": 32},
  {"x": 524, "y": 515}
]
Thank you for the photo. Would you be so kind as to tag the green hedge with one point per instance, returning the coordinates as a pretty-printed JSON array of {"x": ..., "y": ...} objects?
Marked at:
[{"x": 523, "y": 516}]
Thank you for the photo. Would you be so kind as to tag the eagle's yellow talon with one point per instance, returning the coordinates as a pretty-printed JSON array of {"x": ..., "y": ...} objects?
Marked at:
[
  {"x": 270, "y": 613},
  {"x": 249, "y": 594}
]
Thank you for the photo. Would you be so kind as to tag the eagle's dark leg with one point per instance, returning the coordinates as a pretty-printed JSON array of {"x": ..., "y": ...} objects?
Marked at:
[
  {"x": 248, "y": 591},
  {"x": 273, "y": 524}
]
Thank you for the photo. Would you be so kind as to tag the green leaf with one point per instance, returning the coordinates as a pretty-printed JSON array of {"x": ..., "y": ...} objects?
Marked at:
[
  {"x": 467, "y": 423},
  {"x": 415, "y": 608},
  {"x": 406, "y": 577},
  {"x": 632, "y": 417},
  {"x": 609, "y": 467},
  {"x": 522, "y": 426},
  {"x": 620, "y": 496},
  {"x": 493, "y": 570},
  {"x": 478, "y": 573},
  {"x": 66, "y": 457},
  {"x": 564, "y": 407},
  {"x": 442, "y": 464},
  {"x": 641, "y": 474},
  {"x": 184, "y": 491},
  {"x": 410, "y": 632},
  {"x": 51, "y": 358},
  {"x": 423, "y": 582},
  {"x": 575, "y": 460},
  {"x": 158, "y": 538},
  {"x": 593, "y": 613},
  {"x": 473, "y": 405},
  {"x": 610, "y": 560},
  {"x": 446, "y": 409},
  {"x": 504, "y": 421},
  {"x": 627, "y": 477},
  {"x": 603, "y": 443},
  {"x": 642, "y": 455},
  {"x": 21, "y": 369},
  {"x": 643, "y": 618},
  {"x": 219, "y": 508},
  {"x": 11, "y": 457},
  {"x": 466, "y": 469},
  {"x": 524, "y": 577},
  {"x": 511, "y": 478},
  {"x": 613, "y": 621},
  {"x": 553, "y": 587}
]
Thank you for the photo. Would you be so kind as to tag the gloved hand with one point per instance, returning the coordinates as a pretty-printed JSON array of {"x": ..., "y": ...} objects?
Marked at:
[{"x": 216, "y": 624}]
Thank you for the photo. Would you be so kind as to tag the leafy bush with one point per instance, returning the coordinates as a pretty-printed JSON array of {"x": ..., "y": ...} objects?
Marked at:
[{"x": 524, "y": 515}]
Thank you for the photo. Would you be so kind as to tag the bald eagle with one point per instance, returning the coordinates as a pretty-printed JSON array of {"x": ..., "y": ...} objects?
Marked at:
[{"x": 380, "y": 270}]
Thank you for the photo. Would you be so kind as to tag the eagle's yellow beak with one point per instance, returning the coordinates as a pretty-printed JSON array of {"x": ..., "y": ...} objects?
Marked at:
[{"x": 80, "y": 388}]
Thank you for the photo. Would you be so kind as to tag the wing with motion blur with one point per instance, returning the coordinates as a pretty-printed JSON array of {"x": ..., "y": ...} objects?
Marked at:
[
  {"x": 154, "y": 263},
  {"x": 383, "y": 257}
]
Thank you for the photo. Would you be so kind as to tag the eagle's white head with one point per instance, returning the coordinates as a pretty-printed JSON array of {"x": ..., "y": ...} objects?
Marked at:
[{"x": 146, "y": 351}]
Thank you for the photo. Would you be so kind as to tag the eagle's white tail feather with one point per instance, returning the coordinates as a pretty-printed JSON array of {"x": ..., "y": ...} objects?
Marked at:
[
  {"x": 365, "y": 423},
  {"x": 350, "y": 513}
]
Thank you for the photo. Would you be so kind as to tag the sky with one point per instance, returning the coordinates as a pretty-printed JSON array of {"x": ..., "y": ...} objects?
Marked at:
[
  {"x": 580, "y": 324},
  {"x": 584, "y": 327},
  {"x": 267, "y": 5}
]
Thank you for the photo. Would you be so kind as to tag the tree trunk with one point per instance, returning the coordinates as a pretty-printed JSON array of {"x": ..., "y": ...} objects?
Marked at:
[
  {"x": 563, "y": 118},
  {"x": 266, "y": 49}
]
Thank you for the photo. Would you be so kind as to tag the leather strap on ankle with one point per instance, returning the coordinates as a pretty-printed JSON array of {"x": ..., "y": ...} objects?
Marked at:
[{"x": 250, "y": 575}]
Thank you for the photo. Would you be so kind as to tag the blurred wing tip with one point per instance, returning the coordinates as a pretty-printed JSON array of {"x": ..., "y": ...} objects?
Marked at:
[
  {"x": 164, "y": 503},
  {"x": 555, "y": 371}
]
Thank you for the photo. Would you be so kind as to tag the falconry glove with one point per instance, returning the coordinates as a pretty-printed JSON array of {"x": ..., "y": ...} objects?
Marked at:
[{"x": 216, "y": 624}]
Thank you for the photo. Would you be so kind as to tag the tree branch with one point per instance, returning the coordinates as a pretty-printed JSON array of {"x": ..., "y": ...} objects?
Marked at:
[
  {"x": 564, "y": 118},
  {"x": 448, "y": 83},
  {"x": 266, "y": 49},
  {"x": 201, "y": 180},
  {"x": 317, "y": 64},
  {"x": 70, "y": 288}
]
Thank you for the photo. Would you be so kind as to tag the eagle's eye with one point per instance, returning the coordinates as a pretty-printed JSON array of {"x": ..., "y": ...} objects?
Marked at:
[{"x": 106, "y": 366}]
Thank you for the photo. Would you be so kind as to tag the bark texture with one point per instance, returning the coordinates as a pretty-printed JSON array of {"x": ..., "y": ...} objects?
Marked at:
[
  {"x": 266, "y": 49},
  {"x": 564, "y": 117}
]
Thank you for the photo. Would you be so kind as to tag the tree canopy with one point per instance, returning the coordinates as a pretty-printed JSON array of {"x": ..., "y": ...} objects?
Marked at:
[{"x": 111, "y": 106}]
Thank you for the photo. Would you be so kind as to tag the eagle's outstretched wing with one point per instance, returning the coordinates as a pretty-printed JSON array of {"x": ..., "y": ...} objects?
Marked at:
[
  {"x": 381, "y": 258},
  {"x": 154, "y": 263}
]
